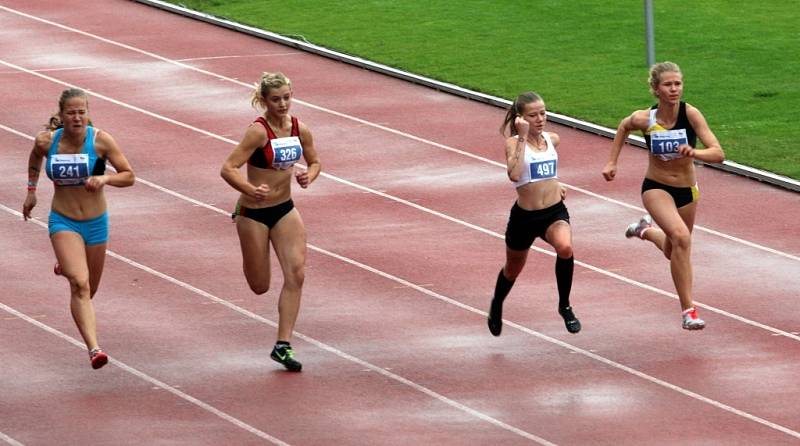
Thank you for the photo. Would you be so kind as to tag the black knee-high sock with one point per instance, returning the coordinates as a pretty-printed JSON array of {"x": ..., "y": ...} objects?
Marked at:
[
  {"x": 564, "y": 269},
  {"x": 502, "y": 288}
]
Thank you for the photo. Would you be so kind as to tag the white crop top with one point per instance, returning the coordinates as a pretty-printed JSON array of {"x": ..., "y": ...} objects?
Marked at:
[{"x": 539, "y": 166}]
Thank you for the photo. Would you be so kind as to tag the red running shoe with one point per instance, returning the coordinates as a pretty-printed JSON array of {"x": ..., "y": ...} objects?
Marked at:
[
  {"x": 57, "y": 269},
  {"x": 98, "y": 358},
  {"x": 691, "y": 321}
]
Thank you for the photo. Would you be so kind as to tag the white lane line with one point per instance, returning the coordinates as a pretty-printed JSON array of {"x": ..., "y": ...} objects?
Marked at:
[
  {"x": 413, "y": 205},
  {"x": 171, "y": 389},
  {"x": 319, "y": 344},
  {"x": 384, "y": 128},
  {"x": 241, "y": 56},
  {"x": 47, "y": 70},
  {"x": 458, "y": 304},
  {"x": 10, "y": 440}
]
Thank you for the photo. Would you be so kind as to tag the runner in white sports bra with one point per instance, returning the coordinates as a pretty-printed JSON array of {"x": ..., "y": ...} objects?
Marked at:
[
  {"x": 538, "y": 165},
  {"x": 669, "y": 191},
  {"x": 539, "y": 211}
]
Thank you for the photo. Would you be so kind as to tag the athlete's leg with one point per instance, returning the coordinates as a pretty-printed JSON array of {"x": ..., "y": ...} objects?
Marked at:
[
  {"x": 254, "y": 241},
  {"x": 559, "y": 236},
  {"x": 676, "y": 226},
  {"x": 288, "y": 237},
  {"x": 71, "y": 255}
]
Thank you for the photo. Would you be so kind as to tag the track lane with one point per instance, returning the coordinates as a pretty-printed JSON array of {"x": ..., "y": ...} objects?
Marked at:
[{"x": 332, "y": 194}]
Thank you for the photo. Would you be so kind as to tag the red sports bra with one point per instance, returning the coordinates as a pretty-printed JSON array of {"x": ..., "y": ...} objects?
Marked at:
[{"x": 278, "y": 153}]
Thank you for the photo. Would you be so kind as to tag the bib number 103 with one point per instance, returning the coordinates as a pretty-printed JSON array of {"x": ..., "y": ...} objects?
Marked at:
[{"x": 667, "y": 142}]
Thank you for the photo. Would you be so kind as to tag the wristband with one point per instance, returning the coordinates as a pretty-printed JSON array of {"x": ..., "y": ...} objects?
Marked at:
[{"x": 31, "y": 185}]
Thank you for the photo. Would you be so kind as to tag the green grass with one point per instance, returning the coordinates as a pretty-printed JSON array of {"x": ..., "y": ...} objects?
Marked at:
[{"x": 741, "y": 60}]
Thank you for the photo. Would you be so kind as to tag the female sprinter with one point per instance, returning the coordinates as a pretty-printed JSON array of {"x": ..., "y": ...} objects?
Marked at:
[
  {"x": 669, "y": 191},
  {"x": 265, "y": 214}
]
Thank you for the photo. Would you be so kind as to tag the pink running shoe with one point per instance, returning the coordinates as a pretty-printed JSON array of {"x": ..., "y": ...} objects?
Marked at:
[
  {"x": 98, "y": 358},
  {"x": 691, "y": 321},
  {"x": 637, "y": 229}
]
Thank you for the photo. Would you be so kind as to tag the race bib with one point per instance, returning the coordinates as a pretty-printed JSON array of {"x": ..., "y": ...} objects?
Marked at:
[
  {"x": 72, "y": 169},
  {"x": 542, "y": 170},
  {"x": 286, "y": 151},
  {"x": 664, "y": 144}
]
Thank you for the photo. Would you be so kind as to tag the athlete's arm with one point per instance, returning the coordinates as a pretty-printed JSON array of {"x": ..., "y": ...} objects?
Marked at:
[
  {"x": 40, "y": 146},
  {"x": 254, "y": 138},
  {"x": 108, "y": 149},
  {"x": 304, "y": 178},
  {"x": 626, "y": 126},
  {"x": 712, "y": 153}
]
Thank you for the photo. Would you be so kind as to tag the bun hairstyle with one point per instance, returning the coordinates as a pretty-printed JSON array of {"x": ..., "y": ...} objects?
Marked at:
[{"x": 267, "y": 82}]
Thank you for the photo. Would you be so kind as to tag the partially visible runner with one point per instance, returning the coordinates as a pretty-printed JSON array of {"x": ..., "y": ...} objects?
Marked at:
[
  {"x": 539, "y": 210},
  {"x": 76, "y": 155},
  {"x": 669, "y": 191},
  {"x": 265, "y": 214}
]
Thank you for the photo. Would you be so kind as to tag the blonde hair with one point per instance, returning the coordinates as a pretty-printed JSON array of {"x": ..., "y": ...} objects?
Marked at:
[
  {"x": 657, "y": 70},
  {"x": 55, "y": 120},
  {"x": 516, "y": 109},
  {"x": 268, "y": 81}
]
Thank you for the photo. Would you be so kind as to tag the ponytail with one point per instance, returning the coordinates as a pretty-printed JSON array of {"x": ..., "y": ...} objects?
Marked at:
[{"x": 516, "y": 109}]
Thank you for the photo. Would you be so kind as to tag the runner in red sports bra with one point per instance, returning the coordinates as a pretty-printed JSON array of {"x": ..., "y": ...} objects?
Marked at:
[{"x": 265, "y": 214}]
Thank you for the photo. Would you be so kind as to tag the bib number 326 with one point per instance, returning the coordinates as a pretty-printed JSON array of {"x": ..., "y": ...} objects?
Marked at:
[{"x": 286, "y": 151}]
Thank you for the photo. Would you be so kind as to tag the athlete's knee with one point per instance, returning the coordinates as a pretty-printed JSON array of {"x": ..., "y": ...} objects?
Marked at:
[
  {"x": 295, "y": 276},
  {"x": 681, "y": 239},
  {"x": 258, "y": 286},
  {"x": 79, "y": 286},
  {"x": 564, "y": 251}
]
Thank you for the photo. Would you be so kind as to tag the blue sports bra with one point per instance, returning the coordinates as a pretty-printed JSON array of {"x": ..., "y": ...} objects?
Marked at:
[{"x": 73, "y": 169}]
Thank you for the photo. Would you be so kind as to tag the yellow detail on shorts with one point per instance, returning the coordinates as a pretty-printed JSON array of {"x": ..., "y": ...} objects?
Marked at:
[{"x": 695, "y": 193}]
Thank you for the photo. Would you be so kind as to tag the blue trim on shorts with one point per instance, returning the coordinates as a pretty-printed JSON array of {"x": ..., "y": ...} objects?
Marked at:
[{"x": 93, "y": 231}]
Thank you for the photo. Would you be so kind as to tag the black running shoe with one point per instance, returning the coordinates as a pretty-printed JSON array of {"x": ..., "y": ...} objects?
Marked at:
[
  {"x": 572, "y": 322},
  {"x": 285, "y": 355},
  {"x": 496, "y": 318}
]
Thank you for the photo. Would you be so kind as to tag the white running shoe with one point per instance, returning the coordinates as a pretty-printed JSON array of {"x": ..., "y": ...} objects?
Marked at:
[
  {"x": 691, "y": 321},
  {"x": 637, "y": 229}
]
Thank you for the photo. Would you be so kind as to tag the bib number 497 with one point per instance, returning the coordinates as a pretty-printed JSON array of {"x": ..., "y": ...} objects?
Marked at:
[{"x": 543, "y": 169}]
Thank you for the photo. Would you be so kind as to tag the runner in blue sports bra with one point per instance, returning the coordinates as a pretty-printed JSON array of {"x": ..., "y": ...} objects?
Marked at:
[
  {"x": 669, "y": 190},
  {"x": 265, "y": 214},
  {"x": 539, "y": 211},
  {"x": 76, "y": 154}
]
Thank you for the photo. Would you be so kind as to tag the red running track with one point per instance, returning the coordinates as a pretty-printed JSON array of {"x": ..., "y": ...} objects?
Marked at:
[{"x": 405, "y": 242}]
